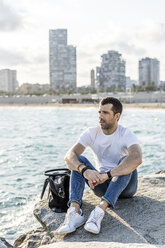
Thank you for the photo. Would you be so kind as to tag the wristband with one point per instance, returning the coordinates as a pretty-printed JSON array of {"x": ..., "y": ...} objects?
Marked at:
[
  {"x": 83, "y": 170},
  {"x": 109, "y": 174},
  {"x": 79, "y": 166}
]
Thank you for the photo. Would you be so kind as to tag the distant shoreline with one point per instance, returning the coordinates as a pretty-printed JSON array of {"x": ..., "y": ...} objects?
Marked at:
[{"x": 60, "y": 105}]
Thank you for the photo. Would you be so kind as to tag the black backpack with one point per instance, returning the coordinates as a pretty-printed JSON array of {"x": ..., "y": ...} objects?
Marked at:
[{"x": 58, "y": 192}]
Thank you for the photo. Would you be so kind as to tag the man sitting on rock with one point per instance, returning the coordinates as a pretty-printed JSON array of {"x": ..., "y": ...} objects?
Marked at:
[{"x": 117, "y": 153}]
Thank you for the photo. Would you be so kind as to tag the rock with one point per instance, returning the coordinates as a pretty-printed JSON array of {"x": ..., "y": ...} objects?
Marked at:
[
  {"x": 100, "y": 244},
  {"x": 33, "y": 239},
  {"x": 48, "y": 219},
  {"x": 137, "y": 221},
  {"x": 4, "y": 243},
  {"x": 160, "y": 172}
]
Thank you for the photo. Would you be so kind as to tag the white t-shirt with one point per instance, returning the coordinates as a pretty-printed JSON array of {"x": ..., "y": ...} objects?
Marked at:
[{"x": 108, "y": 149}]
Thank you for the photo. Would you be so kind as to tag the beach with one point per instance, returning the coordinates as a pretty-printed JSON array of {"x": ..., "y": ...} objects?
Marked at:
[{"x": 85, "y": 105}]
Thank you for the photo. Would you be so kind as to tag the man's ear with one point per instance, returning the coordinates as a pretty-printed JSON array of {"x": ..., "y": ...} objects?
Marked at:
[{"x": 117, "y": 116}]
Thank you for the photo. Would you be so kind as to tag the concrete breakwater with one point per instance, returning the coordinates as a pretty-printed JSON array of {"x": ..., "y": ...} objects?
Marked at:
[{"x": 136, "y": 222}]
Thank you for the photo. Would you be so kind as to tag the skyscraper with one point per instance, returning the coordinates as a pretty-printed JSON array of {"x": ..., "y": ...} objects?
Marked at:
[
  {"x": 8, "y": 80},
  {"x": 111, "y": 73},
  {"x": 62, "y": 61},
  {"x": 149, "y": 71},
  {"x": 92, "y": 78}
]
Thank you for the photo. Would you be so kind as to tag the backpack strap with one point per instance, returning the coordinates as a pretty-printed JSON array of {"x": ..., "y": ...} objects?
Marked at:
[{"x": 44, "y": 187}]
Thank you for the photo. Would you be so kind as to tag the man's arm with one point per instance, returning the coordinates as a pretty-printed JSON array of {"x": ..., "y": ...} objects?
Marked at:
[
  {"x": 71, "y": 158},
  {"x": 128, "y": 164}
]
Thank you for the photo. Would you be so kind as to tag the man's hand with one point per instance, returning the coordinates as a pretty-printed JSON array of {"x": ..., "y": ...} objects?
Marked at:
[
  {"x": 94, "y": 177},
  {"x": 104, "y": 177}
]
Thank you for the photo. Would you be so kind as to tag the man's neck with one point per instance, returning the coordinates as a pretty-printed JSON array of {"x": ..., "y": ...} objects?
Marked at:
[{"x": 109, "y": 131}]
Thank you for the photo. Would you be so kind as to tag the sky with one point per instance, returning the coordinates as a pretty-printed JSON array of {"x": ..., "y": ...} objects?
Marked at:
[{"x": 134, "y": 28}]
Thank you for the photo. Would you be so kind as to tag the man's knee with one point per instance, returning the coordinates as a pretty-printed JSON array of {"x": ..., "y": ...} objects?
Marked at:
[
  {"x": 99, "y": 191},
  {"x": 85, "y": 161},
  {"x": 131, "y": 188},
  {"x": 82, "y": 159},
  {"x": 128, "y": 193}
]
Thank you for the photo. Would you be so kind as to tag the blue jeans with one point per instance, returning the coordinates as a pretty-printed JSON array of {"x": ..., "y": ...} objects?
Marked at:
[{"x": 122, "y": 186}]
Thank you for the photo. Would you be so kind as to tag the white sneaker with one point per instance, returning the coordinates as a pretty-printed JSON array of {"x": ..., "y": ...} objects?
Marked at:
[
  {"x": 72, "y": 221},
  {"x": 93, "y": 223}
]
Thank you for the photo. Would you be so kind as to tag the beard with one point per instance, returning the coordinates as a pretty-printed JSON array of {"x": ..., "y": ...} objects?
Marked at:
[{"x": 106, "y": 126}]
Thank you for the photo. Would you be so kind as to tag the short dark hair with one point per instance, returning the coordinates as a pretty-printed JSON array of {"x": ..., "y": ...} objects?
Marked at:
[{"x": 117, "y": 105}]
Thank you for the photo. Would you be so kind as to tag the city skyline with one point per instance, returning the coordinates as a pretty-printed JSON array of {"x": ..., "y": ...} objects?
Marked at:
[{"x": 136, "y": 29}]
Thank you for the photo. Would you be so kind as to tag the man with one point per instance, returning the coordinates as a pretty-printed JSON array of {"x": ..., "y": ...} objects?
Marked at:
[{"x": 117, "y": 156}]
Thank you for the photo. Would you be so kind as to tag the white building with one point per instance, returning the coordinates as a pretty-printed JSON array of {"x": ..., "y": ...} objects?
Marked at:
[
  {"x": 62, "y": 61},
  {"x": 111, "y": 73},
  {"x": 8, "y": 81},
  {"x": 149, "y": 72},
  {"x": 92, "y": 79}
]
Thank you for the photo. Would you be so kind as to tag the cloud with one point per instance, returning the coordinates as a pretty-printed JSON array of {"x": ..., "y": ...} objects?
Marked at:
[
  {"x": 86, "y": 56},
  {"x": 89, "y": 58},
  {"x": 21, "y": 58},
  {"x": 83, "y": 53},
  {"x": 84, "y": 74},
  {"x": 150, "y": 34},
  {"x": 131, "y": 48},
  {"x": 159, "y": 34},
  {"x": 9, "y": 19},
  {"x": 10, "y": 58},
  {"x": 41, "y": 59}
]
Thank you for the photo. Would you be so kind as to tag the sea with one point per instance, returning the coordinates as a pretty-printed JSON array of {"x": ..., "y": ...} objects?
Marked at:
[{"x": 35, "y": 139}]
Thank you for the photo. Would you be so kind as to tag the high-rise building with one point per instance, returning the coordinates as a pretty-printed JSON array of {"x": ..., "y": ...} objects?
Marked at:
[
  {"x": 130, "y": 83},
  {"x": 62, "y": 61},
  {"x": 111, "y": 73},
  {"x": 8, "y": 80},
  {"x": 92, "y": 78},
  {"x": 149, "y": 71},
  {"x": 162, "y": 84}
]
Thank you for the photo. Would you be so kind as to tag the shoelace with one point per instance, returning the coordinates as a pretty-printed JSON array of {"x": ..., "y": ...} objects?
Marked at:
[
  {"x": 68, "y": 217},
  {"x": 94, "y": 219}
]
